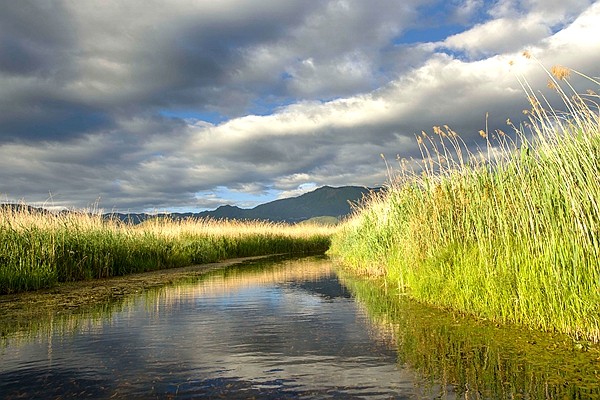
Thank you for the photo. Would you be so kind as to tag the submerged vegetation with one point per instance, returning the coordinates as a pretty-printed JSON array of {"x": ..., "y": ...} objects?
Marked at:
[
  {"x": 39, "y": 249},
  {"x": 511, "y": 234}
]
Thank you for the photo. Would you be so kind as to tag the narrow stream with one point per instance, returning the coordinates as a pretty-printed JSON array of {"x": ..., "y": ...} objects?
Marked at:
[{"x": 290, "y": 329}]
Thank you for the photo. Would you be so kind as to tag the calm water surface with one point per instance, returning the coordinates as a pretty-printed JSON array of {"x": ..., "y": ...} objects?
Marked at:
[{"x": 286, "y": 331}]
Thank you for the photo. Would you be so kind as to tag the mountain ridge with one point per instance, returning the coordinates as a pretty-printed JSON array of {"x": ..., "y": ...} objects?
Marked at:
[{"x": 323, "y": 201}]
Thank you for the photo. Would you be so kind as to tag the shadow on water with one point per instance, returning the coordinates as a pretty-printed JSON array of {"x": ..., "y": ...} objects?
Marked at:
[{"x": 476, "y": 359}]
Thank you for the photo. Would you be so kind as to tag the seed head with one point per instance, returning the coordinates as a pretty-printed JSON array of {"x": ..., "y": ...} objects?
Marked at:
[
  {"x": 527, "y": 54},
  {"x": 560, "y": 72},
  {"x": 482, "y": 133}
]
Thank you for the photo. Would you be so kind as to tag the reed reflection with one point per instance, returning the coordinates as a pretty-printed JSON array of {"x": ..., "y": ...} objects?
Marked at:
[{"x": 474, "y": 359}]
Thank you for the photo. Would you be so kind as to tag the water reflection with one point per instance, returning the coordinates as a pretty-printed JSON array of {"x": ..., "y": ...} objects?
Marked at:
[
  {"x": 476, "y": 359},
  {"x": 286, "y": 330},
  {"x": 283, "y": 331}
]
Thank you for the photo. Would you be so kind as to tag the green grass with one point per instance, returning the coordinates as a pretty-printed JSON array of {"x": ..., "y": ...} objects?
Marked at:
[
  {"x": 37, "y": 250},
  {"x": 511, "y": 235}
]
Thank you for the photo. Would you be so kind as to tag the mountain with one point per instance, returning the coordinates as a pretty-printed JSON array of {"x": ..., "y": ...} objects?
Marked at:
[{"x": 324, "y": 201}]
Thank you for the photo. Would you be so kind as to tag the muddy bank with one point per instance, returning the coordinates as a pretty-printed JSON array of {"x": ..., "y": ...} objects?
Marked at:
[{"x": 19, "y": 310}]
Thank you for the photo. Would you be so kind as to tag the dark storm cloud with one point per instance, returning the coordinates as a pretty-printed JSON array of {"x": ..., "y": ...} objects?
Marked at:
[
  {"x": 52, "y": 120},
  {"x": 35, "y": 36}
]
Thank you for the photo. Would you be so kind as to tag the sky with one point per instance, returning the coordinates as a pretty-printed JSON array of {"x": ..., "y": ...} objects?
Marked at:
[{"x": 185, "y": 105}]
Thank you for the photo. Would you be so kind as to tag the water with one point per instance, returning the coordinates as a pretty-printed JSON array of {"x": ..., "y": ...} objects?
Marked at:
[
  {"x": 285, "y": 331},
  {"x": 290, "y": 329}
]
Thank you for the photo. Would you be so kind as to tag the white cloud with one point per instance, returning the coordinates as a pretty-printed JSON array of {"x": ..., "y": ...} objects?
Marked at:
[
  {"x": 468, "y": 8},
  {"x": 552, "y": 10},
  {"x": 502, "y": 35},
  {"x": 299, "y": 189}
]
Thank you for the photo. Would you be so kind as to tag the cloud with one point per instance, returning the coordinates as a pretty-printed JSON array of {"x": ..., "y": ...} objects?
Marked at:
[
  {"x": 502, "y": 35},
  {"x": 514, "y": 26},
  {"x": 306, "y": 94},
  {"x": 553, "y": 11},
  {"x": 78, "y": 59},
  {"x": 468, "y": 9}
]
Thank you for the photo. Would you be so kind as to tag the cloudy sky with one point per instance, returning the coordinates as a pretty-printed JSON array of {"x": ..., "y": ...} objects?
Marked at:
[{"x": 185, "y": 105}]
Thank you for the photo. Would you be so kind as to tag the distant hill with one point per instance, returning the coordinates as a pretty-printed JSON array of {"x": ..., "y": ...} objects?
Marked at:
[{"x": 325, "y": 201}]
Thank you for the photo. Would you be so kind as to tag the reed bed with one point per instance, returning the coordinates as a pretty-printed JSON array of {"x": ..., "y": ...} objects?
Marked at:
[
  {"x": 510, "y": 233},
  {"x": 39, "y": 249}
]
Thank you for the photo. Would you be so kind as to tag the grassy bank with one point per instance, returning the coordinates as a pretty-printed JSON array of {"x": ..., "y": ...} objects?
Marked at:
[
  {"x": 512, "y": 235},
  {"x": 479, "y": 359},
  {"x": 38, "y": 250}
]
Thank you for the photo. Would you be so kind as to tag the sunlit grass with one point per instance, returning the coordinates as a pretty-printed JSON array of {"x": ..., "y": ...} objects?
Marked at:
[
  {"x": 40, "y": 249},
  {"x": 511, "y": 234}
]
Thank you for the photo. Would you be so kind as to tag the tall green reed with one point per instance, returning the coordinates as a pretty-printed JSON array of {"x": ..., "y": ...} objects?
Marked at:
[
  {"x": 510, "y": 233},
  {"x": 39, "y": 249}
]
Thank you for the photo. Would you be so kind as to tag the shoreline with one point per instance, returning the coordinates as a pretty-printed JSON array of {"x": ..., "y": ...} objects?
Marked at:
[{"x": 67, "y": 297}]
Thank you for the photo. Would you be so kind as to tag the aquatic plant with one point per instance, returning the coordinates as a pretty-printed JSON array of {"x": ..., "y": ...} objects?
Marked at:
[
  {"x": 510, "y": 233},
  {"x": 39, "y": 249}
]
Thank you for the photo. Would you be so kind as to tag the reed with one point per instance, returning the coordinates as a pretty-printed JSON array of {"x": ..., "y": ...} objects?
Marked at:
[
  {"x": 511, "y": 233},
  {"x": 39, "y": 249}
]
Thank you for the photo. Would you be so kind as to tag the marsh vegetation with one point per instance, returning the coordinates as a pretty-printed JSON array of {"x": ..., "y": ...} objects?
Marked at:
[
  {"x": 40, "y": 249},
  {"x": 510, "y": 234}
]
